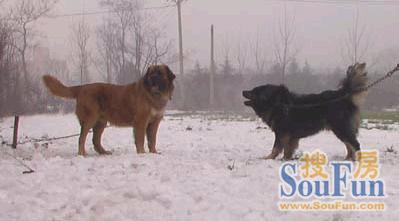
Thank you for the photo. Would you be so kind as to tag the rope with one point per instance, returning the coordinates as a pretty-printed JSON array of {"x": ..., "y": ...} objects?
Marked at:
[
  {"x": 46, "y": 139},
  {"x": 49, "y": 139},
  {"x": 30, "y": 170},
  {"x": 379, "y": 80},
  {"x": 388, "y": 75}
]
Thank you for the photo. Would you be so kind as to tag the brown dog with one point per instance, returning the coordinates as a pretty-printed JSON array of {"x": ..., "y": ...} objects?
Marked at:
[{"x": 140, "y": 104}]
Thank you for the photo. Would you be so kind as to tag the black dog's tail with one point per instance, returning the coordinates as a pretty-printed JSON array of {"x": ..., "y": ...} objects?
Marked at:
[{"x": 355, "y": 83}]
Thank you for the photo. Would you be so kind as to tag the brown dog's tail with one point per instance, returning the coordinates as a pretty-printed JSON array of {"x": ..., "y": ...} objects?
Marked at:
[{"x": 58, "y": 89}]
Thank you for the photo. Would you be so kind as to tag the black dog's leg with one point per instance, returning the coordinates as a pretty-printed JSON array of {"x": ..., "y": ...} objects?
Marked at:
[
  {"x": 355, "y": 145},
  {"x": 348, "y": 137},
  {"x": 277, "y": 148},
  {"x": 290, "y": 146},
  {"x": 349, "y": 151}
]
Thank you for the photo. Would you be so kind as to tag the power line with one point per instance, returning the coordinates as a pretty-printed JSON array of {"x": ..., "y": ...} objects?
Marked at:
[
  {"x": 344, "y": 2},
  {"x": 165, "y": 18},
  {"x": 105, "y": 12}
]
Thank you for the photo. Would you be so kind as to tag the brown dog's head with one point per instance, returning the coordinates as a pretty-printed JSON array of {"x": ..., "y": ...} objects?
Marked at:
[{"x": 159, "y": 81}]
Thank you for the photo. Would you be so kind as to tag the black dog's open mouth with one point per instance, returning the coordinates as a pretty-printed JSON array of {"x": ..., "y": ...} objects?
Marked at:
[
  {"x": 248, "y": 103},
  {"x": 248, "y": 95}
]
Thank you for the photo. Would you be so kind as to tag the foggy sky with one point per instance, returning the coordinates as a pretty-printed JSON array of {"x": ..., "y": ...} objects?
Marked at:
[{"x": 320, "y": 28}]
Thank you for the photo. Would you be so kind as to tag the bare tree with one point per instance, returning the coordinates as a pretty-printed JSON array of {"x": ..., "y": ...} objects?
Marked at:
[
  {"x": 124, "y": 12},
  {"x": 138, "y": 30},
  {"x": 161, "y": 47},
  {"x": 7, "y": 56},
  {"x": 259, "y": 54},
  {"x": 224, "y": 49},
  {"x": 284, "y": 48},
  {"x": 241, "y": 56},
  {"x": 151, "y": 48},
  {"x": 357, "y": 42},
  {"x": 24, "y": 14},
  {"x": 133, "y": 42},
  {"x": 152, "y": 44},
  {"x": 4, "y": 39},
  {"x": 9, "y": 68},
  {"x": 80, "y": 35},
  {"x": 106, "y": 37}
]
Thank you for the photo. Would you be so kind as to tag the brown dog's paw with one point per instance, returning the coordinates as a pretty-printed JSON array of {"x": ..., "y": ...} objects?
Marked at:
[
  {"x": 140, "y": 151},
  {"x": 83, "y": 154},
  {"x": 106, "y": 152},
  {"x": 154, "y": 151}
]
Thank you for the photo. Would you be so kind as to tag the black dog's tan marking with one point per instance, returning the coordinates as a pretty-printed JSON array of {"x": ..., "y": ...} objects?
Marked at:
[{"x": 292, "y": 116}]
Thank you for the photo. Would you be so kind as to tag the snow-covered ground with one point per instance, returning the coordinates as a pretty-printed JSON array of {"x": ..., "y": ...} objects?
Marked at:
[{"x": 189, "y": 180}]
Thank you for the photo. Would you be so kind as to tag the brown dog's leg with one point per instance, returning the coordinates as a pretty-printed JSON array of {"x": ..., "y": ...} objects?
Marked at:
[
  {"x": 290, "y": 145},
  {"x": 98, "y": 129},
  {"x": 82, "y": 139},
  {"x": 87, "y": 118},
  {"x": 277, "y": 149},
  {"x": 84, "y": 130},
  {"x": 152, "y": 135},
  {"x": 139, "y": 134}
]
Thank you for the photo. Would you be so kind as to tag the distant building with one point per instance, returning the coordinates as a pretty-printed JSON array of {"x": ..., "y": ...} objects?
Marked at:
[{"x": 42, "y": 63}]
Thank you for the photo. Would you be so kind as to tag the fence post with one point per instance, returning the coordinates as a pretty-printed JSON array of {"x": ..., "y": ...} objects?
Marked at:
[{"x": 15, "y": 135}]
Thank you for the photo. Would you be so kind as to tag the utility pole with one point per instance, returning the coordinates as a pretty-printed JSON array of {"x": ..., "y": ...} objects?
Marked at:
[
  {"x": 82, "y": 67},
  {"x": 181, "y": 69},
  {"x": 212, "y": 74}
]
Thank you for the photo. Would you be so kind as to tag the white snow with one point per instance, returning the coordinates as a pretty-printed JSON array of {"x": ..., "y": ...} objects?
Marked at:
[{"x": 189, "y": 180}]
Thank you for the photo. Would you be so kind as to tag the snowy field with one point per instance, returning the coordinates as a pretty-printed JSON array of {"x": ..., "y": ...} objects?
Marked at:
[{"x": 189, "y": 180}]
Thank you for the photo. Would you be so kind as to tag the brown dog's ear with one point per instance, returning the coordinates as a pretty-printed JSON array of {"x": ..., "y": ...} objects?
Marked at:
[
  {"x": 147, "y": 78},
  {"x": 171, "y": 76}
]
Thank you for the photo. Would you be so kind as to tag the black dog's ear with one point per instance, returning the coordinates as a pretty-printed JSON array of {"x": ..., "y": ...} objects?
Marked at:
[
  {"x": 351, "y": 69},
  {"x": 282, "y": 95},
  {"x": 269, "y": 93}
]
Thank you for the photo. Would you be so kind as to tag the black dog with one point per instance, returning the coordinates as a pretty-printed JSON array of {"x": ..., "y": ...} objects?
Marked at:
[{"x": 293, "y": 116}]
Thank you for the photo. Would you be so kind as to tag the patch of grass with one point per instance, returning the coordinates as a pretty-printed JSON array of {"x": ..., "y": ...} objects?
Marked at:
[
  {"x": 378, "y": 120},
  {"x": 379, "y": 117},
  {"x": 216, "y": 115}
]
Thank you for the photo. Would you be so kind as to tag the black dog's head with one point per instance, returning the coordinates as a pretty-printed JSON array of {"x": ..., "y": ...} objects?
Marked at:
[{"x": 263, "y": 98}]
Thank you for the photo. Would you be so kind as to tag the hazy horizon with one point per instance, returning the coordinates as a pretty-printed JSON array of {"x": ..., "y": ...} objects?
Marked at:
[{"x": 320, "y": 27}]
